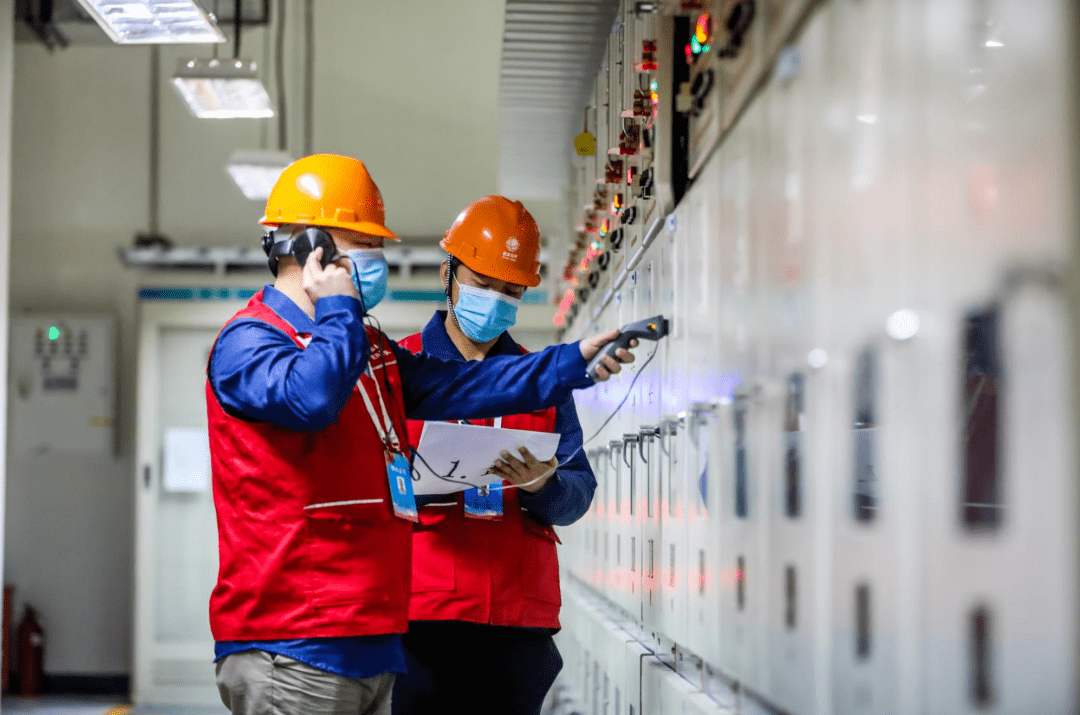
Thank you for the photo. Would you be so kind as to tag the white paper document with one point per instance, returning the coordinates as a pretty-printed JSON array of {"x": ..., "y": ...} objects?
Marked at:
[
  {"x": 458, "y": 456},
  {"x": 187, "y": 460}
]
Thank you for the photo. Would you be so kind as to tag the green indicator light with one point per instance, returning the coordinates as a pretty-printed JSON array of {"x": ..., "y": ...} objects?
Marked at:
[
  {"x": 654, "y": 85},
  {"x": 54, "y": 333},
  {"x": 695, "y": 46}
]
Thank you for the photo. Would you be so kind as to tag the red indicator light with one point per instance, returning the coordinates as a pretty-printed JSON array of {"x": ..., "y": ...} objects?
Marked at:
[
  {"x": 703, "y": 28},
  {"x": 648, "y": 56}
]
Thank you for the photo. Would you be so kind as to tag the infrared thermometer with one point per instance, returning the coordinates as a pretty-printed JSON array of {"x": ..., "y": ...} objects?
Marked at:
[{"x": 649, "y": 329}]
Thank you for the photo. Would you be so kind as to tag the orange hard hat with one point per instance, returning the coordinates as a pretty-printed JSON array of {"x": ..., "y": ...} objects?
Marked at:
[
  {"x": 497, "y": 237},
  {"x": 328, "y": 190}
]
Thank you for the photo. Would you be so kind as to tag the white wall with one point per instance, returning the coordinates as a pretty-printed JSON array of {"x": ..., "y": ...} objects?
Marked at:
[
  {"x": 410, "y": 90},
  {"x": 1074, "y": 287},
  {"x": 6, "y": 73}
]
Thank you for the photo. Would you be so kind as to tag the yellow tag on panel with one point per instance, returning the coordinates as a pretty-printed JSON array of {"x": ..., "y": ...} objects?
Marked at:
[{"x": 585, "y": 144}]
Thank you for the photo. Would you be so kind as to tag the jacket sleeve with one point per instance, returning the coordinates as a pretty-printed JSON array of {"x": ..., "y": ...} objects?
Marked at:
[
  {"x": 259, "y": 374},
  {"x": 567, "y": 495},
  {"x": 435, "y": 389}
]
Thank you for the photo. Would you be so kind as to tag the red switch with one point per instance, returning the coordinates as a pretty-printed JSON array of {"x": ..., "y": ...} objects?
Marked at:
[
  {"x": 648, "y": 57},
  {"x": 613, "y": 172},
  {"x": 630, "y": 139}
]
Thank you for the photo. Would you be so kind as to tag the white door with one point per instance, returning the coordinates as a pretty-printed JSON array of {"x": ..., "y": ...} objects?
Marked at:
[{"x": 176, "y": 530}]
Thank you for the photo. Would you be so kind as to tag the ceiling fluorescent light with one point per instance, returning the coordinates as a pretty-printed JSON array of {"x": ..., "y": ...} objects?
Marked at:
[
  {"x": 256, "y": 172},
  {"x": 154, "y": 21},
  {"x": 222, "y": 89}
]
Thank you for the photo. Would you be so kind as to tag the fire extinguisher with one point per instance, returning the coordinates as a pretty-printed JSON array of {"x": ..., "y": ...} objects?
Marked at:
[{"x": 30, "y": 653}]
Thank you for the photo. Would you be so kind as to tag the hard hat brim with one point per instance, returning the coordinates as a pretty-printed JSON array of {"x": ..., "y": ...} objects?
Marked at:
[
  {"x": 367, "y": 227},
  {"x": 521, "y": 278}
]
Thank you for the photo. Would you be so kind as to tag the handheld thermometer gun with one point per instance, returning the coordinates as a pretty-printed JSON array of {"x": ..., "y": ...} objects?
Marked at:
[{"x": 649, "y": 329}]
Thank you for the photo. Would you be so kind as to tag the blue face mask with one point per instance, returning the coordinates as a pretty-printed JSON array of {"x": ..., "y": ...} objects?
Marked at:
[
  {"x": 484, "y": 315},
  {"x": 369, "y": 275}
]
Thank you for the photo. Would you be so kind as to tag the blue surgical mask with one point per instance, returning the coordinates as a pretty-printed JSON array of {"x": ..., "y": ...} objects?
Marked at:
[
  {"x": 369, "y": 275},
  {"x": 484, "y": 315}
]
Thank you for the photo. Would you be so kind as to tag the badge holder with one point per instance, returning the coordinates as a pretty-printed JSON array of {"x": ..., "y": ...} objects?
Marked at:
[
  {"x": 484, "y": 502},
  {"x": 398, "y": 469},
  {"x": 399, "y": 473}
]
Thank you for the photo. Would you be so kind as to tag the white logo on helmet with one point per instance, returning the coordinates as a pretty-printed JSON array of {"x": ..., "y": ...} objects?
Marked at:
[{"x": 512, "y": 244}]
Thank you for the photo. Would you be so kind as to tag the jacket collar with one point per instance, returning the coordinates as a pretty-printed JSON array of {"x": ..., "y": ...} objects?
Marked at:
[
  {"x": 437, "y": 341},
  {"x": 289, "y": 311}
]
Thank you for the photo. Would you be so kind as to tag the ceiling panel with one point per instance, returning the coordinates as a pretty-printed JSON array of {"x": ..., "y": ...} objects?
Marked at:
[{"x": 551, "y": 51}]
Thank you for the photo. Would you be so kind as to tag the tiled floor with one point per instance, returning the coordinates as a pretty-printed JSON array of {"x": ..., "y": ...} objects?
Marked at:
[
  {"x": 87, "y": 705},
  {"x": 60, "y": 705}
]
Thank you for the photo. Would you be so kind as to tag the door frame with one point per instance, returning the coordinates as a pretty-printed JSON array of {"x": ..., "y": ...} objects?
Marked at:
[{"x": 154, "y": 318}]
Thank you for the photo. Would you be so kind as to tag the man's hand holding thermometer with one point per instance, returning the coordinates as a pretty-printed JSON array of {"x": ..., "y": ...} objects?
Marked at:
[
  {"x": 614, "y": 344},
  {"x": 601, "y": 351},
  {"x": 605, "y": 353}
]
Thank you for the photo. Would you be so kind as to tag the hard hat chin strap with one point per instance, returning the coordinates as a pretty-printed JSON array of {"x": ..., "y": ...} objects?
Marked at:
[{"x": 451, "y": 267}]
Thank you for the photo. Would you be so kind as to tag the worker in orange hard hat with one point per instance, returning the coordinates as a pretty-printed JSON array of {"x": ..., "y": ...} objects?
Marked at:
[
  {"x": 311, "y": 454},
  {"x": 330, "y": 191},
  {"x": 500, "y": 605}
]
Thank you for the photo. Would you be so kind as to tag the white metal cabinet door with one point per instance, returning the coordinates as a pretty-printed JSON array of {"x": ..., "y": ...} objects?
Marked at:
[
  {"x": 739, "y": 557},
  {"x": 757, "y": 219},
  {"x": 795, "y": 408},
  {"x": 681, "y": 697},
  {"x": 652, "y": 465},
  {"x": 1000, "y": 529},
  {"x": 1001, "y": 584},
  {"x": 635, "y": 657}
]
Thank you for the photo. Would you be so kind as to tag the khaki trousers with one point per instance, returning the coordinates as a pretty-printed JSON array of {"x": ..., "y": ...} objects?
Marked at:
[{"x": 259, "y": 683}]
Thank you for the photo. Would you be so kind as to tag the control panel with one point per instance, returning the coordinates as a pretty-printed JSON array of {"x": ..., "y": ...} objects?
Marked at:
[{"x": 63, "y": 384}]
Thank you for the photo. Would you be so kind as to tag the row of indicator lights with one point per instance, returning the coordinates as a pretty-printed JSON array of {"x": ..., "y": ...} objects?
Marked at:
[
  {"x": 648, "y": 64},
  {"x": 593, "y": 250},
  {"x": 699, "y": 41},
  {"x": 54, "y": 333}
]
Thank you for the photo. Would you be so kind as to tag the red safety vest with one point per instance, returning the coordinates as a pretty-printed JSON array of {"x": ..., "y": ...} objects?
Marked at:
[
  {"x": 503, "y": 572},
  {"x": 309, "y": 544}
]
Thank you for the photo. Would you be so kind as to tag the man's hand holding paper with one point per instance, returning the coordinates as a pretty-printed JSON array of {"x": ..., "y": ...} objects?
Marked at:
[
  {"x": 454, "y": 457},
  {"x": 528, "y": 472}
]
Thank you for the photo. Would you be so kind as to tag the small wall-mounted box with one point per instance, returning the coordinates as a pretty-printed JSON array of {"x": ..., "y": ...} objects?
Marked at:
[{"x": 63, "y": 384}]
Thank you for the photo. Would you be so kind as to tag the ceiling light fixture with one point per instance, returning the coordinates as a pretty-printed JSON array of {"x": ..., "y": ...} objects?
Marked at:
[
  {"x": 222, "y": 89},
  {"x": 256, "y": 172},
  {"x": 154, "y": 21}
]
